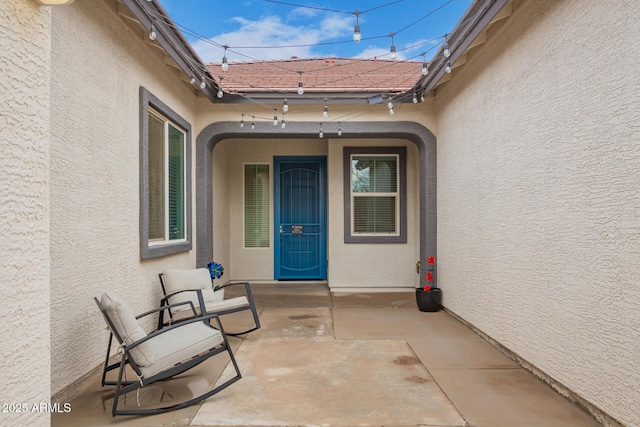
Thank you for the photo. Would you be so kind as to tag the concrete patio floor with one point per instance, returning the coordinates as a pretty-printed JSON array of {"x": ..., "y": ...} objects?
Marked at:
[{"x": 340, "y": 359}]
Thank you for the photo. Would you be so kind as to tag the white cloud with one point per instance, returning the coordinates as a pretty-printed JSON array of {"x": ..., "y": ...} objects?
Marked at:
[{"x": 269, "y": 31}]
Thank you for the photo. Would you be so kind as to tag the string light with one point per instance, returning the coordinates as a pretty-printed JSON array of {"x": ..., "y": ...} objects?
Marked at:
[
  {"x": 225, "y": 63},
  {"x": 152, "y": 32},
  {"x": 275, "y": 117},
  {"x": 321, "y": 134},
  {"x": 339, "y": 130},
  {"x": 220, "y": 92},
  {"x": 425, "y": 68},
  {"x": 325, "y": 110},
  {"x": 394, "y": 54},
  {"x": 356, "y": 29},
  {"x": 283, "y": 125},
  {"x": 253, "y": 122},
  {"x": 300, "y": 85}
]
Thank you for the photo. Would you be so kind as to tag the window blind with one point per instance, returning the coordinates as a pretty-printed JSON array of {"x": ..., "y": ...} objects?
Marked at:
[{"x": 256, "y": 205}]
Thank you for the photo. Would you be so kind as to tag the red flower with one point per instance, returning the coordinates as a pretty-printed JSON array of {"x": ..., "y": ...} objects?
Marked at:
[
  {"x": 427, "y": 288},
  {"x": 431, "y": 260},
  {"x": 429, "y": 277}
]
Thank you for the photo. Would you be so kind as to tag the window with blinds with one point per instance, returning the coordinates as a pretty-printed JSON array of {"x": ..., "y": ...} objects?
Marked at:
[
  {"x": 256, "y": 205},
  {"x": 166, "y": 160},
  {"x": 375, "y": 197}
]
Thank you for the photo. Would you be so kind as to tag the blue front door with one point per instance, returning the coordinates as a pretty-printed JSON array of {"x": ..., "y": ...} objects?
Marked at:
[{"x": 300, "y": 218}]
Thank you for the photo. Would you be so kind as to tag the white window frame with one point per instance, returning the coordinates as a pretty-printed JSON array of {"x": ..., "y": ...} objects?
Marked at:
[
  {"x": 269, "y": 201},
  {"x": 150, "y": 104},
  {"x": 167, "y": 232},
  {"x": 401, "y": 190},
  {"x": 396, "y": 194}
]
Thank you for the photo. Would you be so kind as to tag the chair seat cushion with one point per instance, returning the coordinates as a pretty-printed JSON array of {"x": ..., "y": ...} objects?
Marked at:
[
  {"x": 180, "y": 344},
  {"x": 238, "y": 303}
]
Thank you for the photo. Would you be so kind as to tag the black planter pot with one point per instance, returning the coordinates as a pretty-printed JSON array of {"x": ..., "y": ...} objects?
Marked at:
[{"x": 429, "y": 300}]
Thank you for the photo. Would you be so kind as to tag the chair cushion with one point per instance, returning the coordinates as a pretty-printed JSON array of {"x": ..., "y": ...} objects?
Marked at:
[
  {"x": 180, "y": 344},
  {"x": 199, "y": 278},
  {"x": 128, "y": 328}
]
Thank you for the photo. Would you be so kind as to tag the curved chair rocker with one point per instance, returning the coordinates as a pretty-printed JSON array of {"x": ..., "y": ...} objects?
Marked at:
[
  {"x": 181, "y": 286},
  {"x": 160, "y": 355}
]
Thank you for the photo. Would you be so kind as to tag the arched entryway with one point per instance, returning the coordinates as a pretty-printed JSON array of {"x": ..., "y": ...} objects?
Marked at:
[{"x": 216, "y": 132}]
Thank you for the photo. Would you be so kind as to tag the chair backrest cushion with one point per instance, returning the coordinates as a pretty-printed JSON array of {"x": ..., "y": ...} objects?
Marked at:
[
  {"x": 198, "y": 278},
  {"x": 127, "y": 327}
]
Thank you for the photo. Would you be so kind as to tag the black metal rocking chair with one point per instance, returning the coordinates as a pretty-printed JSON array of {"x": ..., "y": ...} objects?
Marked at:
[
  {"x": 161, "y": 355},
  {"x": 182, "y": 285}
]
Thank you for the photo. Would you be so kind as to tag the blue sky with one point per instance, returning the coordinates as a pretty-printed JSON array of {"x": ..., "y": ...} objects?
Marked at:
[{"x": 264, "y": 30}]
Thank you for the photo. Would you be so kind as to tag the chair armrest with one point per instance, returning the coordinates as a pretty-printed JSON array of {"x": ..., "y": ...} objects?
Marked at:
[
  {"x": 177, "y": 325},
  {"x": 165, "y": 307},
  {"x": 247, "y": 287}
]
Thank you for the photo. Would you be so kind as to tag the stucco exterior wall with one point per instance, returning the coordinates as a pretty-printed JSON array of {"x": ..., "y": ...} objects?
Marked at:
[
  {"x": 25, "y": 56},
  {"x": 98, "y": 68},
  {"x": 538, "y": 194},
  {"x": 371, "y": 266}
]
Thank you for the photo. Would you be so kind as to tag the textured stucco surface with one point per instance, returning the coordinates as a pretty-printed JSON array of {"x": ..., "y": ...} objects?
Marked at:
[
  {"x": 98, "y": 67},
  {"x": 25, "y": 55},
  {"x": 539, "y": 194}
]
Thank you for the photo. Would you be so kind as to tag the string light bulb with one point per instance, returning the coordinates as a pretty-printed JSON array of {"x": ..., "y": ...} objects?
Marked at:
[
  {"x": 225, "y": 62},
  {"x": 242, "y": 121},
  {"x": 220, "y": 92},
  {"x": 356, "y": 29},
  {"x": 152, "y": 32},
  {"x": 275, "y": 117},
  {"x": 394, "y": 54},
  {"x": 321, "y": 134},
  {"x": 285, "y": 106},
  {"x": 447, "y": 69},
  {"x": 283, "y": 124},
  {"x": 300, "y": 85},
  {"x": 446, "y": 52},
  {"x": 339, "y": 130},
  {"x": 193, "y": 80},
  {"x": 325, "y": 112},
  {"x": 391, "y": 110},
  {"x": 253, "y": 122},
  {"x": 203, "y": 83},
  {"x": 415, "y": 98},
  {"x": 425, "y": 67}
]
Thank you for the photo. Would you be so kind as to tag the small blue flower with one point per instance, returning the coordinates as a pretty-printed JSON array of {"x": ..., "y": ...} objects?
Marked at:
[{"x": 215, "y": 270}]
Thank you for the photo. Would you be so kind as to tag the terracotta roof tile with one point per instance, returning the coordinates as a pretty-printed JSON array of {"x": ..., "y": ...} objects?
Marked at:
[{"x": 319, "y": 75}]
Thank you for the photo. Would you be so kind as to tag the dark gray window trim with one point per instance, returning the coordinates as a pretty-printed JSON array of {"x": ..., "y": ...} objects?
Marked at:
[
  {"x": 401, "y": 152},
  {"x": 147, "y": 99}
]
